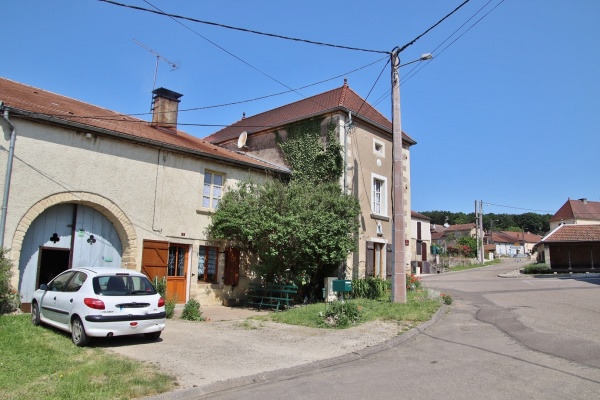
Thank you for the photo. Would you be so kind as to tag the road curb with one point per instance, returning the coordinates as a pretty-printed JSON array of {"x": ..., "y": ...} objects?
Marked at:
[{"x": 284, "y": 373}]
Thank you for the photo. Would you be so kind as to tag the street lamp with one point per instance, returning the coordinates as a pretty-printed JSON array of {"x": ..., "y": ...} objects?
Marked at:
[{"x": 398, "y": 230}]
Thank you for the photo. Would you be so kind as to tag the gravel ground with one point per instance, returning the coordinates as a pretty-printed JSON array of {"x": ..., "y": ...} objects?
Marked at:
[{"x": 202, "y": 353}]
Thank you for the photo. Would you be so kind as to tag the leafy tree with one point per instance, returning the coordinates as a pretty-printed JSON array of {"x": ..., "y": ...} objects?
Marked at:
[
  {"x": 296, "y": 231},
  {"x": 529, "y": 222}
]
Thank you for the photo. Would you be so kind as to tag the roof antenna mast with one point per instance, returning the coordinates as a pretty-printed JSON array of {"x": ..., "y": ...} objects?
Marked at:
[{"x": 158, "y": 57}]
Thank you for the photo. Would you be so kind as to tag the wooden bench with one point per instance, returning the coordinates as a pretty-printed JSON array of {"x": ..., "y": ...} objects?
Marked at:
[{"x": 272, "y": 295}]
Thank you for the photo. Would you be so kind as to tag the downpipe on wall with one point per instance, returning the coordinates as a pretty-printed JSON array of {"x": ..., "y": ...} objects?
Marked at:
[{"x": 11, "y": 153}]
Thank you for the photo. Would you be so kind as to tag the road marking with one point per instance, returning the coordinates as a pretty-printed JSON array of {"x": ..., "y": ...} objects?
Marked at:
[{"x": 529, "y": 283}]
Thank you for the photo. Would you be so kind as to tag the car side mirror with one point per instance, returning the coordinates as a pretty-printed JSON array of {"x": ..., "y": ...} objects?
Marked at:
[{"x": 43, "y": 286}]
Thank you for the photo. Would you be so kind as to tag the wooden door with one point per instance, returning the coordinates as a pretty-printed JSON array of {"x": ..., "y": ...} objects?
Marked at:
[
  {"x": 177, "y": 272},
  {"x": 154, "y": 259}
]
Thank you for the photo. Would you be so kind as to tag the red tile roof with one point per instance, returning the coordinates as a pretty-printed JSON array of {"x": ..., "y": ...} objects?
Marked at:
[
  {"x": 32, "y": 103},
  {"x": 460, "y": 227},
  {"x": 342, "y": 98},
  {"x": 577, "y": 209},
  {"x": 574, "y": 233},
  {"x": 415, "y": 214},
  {"x": 518, "y": 236}
]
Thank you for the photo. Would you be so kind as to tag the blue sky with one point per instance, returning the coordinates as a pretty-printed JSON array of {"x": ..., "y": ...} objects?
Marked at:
[{"x": 507, "y": 113}]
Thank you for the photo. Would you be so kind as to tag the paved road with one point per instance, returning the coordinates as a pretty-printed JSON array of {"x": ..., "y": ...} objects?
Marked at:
[{"x": 503, "y": 338}]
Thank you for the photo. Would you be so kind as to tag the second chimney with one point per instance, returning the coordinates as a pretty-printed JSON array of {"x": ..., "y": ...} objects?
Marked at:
[{"x": 165, "y": 105}]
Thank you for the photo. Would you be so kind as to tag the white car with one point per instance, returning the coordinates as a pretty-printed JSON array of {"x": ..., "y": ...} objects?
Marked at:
[{"x": 100, "y": 302}]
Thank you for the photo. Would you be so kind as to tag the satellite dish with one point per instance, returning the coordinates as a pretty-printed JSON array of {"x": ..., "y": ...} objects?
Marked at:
[{"x": 242, "y": 139}]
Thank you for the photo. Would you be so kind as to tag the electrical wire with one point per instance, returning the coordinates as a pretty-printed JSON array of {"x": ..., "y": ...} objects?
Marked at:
[
  {"x": 120, "y": 115},
  {"x": 401, "y": 49},
  {"x": 420, "y": 67},
  {"x": 517, "y": 208},
  {"x": 372, "y": 87},
  {"x": 160, "y": 12}
]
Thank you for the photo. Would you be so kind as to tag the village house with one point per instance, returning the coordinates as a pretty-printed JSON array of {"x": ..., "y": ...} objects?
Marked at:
[
  {"x": 87, "y": 186},
  {"x": 366, "y": 137},
  {"x": 573, "y": 243}
]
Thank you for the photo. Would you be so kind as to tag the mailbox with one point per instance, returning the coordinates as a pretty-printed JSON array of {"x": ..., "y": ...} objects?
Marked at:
[{"x": 341, "y": 285}]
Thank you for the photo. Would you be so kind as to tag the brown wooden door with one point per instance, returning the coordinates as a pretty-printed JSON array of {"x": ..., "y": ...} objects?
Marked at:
[
  {"x": 177, "y": 272},
  {"x": 159, "y": 259},
  {"x": 154, "y": 259},
  {"x": 232, "y": 266}
]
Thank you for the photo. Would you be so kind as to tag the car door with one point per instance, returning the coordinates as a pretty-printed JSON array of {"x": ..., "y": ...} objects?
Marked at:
[
  {"x": 48, "y": 307},
  {"x": 68, "y": 297}
]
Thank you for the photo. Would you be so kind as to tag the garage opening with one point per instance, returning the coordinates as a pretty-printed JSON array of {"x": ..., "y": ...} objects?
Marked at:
[{"x": 52, "y": 262}]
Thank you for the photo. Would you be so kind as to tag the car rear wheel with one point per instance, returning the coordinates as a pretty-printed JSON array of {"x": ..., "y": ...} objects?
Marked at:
[
  {"x": 152, "y": 335},
  {"x": 80, "y": 338},
  {"x": 35, "y": 314}
]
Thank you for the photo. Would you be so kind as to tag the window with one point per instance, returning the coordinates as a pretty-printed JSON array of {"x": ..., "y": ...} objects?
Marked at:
[
  {"x": 60, "y": 282},
  {"x": 176, "y": 261},
  {"x": 208, "y": 264},
  {"x": 378, "y": 148},
  {"x": 213, "y": 190},
  {"x": 379, "y": 195}
]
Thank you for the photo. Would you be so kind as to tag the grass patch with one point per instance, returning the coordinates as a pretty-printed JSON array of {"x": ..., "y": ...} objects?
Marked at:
[
  {"x": 418, "y": 308},
  {"x": 41, "y": 363},
  {"x": 485, "y": 264}
]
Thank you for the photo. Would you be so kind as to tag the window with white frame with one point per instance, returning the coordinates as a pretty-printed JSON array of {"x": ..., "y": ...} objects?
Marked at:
[
  {"x": 213, "y": 189},
  {"x": 379, "y": 195},
  {"x": 378, "y": 148}
]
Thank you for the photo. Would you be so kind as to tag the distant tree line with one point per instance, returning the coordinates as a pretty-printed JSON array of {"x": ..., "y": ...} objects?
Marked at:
[{"x": 528, "y": 222}]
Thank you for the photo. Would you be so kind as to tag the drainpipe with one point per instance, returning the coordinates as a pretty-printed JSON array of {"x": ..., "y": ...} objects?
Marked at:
[{"x": 11, "y": 152}]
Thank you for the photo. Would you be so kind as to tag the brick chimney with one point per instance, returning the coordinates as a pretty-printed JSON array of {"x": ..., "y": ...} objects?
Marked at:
[{"x": 165, "y": 104}]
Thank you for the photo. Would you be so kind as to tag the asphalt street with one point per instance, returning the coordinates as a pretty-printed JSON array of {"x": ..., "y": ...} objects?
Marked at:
[{"x": 502, "y": 338}]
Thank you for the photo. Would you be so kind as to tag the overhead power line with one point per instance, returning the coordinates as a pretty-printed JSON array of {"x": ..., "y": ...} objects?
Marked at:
[
  {"x": 244, "y": 29},
  {"x": 518, "y": 208},
  {"x": 401, "y": 49}
]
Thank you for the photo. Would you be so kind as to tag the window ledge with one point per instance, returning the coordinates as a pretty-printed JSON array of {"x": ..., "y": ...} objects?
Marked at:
[
  {"x": 205, "y": 211},
  {"x": 381, "y": 217}
]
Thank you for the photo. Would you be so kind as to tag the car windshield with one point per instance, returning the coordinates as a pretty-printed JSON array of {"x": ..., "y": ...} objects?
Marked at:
[{"x": 122, "y": 285}]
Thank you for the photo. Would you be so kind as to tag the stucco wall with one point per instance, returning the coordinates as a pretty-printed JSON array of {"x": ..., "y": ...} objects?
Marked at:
[{"x": 155, "y": 194}]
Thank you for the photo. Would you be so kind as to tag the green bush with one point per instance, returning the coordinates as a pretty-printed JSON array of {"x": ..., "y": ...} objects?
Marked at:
[
  {"x": 161, "y": 286},
  {"x": 340, "y": 314},
  {"x": 370, "y": 288},
  {"x": 170, "y": 307},
  {"x": 537, "y": 269},
  {"x": 191, "y": 311},
  {"x": 9, "y": 298}
]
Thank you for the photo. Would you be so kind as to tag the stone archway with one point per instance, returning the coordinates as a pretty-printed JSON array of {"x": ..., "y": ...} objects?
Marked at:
[{"x": 101, "y": 204}]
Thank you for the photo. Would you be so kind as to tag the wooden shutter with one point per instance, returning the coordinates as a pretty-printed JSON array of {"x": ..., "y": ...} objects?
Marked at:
[
  {"x": 418, "y": 231},
  {"x": 389, "y": 254},
  {"x": 370, "y": 260},
  {"x": 232, "y": 266},
  {"x": 424, "y": 251},
  {"x": 154, "y": 258}
]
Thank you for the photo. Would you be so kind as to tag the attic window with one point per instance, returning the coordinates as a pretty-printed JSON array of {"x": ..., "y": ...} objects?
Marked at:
[{"x": 378, "y": 148}]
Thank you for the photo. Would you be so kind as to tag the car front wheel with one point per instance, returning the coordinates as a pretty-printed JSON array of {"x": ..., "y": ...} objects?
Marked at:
[
  {"x": 35, "y": 314},
  {"x": 80, "y": 338}
]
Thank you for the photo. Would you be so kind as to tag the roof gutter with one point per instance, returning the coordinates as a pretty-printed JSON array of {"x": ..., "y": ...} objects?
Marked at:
[
  {"x": 107, "y": 132},
  {"x": 11, "y": 153}
]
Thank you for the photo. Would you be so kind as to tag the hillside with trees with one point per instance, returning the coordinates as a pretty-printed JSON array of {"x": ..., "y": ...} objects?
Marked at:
[{"x": 528, "y": 222}]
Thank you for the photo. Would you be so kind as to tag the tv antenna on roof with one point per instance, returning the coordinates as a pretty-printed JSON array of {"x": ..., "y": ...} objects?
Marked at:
[{"x": 158, "y": 57}]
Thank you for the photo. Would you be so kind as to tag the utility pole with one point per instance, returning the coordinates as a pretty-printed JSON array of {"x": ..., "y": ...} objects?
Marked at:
[
  {"x": 481, "y": 231},
  {"x": 398, "y": 232},
  {"x": 477, "y": 230}
]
